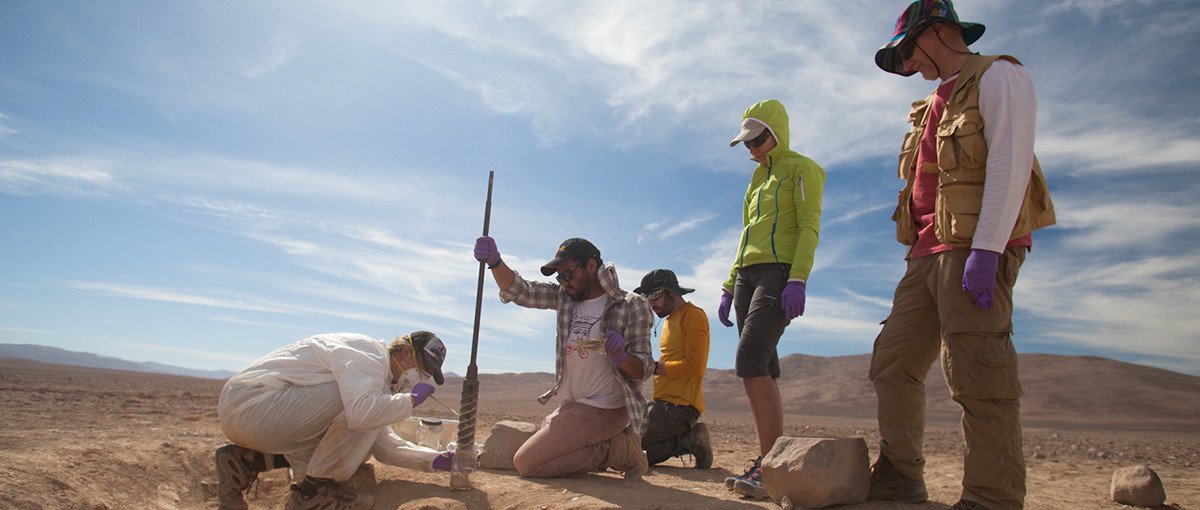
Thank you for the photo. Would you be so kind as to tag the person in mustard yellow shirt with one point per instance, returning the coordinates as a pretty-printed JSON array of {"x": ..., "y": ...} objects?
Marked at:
[{"x": 672, "y": 417}]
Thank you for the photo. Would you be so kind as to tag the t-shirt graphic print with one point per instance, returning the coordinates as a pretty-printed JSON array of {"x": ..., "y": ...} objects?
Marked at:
[{"x": 588, "y": 377}]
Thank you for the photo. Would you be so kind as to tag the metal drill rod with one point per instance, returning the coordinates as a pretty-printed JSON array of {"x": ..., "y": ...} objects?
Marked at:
[
  {"x": 448, "y": 408},
  {"x": 465, "y": 460}
]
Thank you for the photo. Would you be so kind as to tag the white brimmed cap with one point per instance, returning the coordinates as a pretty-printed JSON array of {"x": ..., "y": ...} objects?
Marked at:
[{"x": 750, "y": 129}]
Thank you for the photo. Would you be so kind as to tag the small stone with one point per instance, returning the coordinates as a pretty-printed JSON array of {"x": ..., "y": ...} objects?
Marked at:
[
  {"x": 786, "y": 503},
  {"x": 817, "y": 472},
  {"x": 501, "y": 446},
  {"x": 1137, "y": 486}
]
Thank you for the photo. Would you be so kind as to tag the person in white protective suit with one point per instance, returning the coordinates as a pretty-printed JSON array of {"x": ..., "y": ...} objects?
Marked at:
[{"x": 322, "y": 406}]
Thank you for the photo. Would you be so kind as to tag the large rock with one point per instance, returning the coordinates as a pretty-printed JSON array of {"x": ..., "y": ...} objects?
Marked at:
[
  {"x": 813, "y": 472},
  {"x": 1137, "y": 486},
  {"x": 502, "y": 444}
]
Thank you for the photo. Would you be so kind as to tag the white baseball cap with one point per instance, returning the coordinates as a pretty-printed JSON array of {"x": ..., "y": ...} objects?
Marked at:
[{"x": 750, "y": 128}]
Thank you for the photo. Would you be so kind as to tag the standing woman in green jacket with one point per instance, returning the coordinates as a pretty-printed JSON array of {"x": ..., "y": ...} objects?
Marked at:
[{"x": 781, "y": 220}]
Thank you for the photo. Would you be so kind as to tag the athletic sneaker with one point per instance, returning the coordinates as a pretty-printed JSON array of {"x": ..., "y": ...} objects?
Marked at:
[
  {"x": 752, "y": 486},
  {"x": 754, "y": 465},
  {"x": 234, "y": 476},
  {"x": 701, "y": 446},
  {"x": 326, "y": 495}
]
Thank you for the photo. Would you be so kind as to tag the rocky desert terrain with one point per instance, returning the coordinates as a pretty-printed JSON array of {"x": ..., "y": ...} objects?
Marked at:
[{"x": 85, "y": 438}]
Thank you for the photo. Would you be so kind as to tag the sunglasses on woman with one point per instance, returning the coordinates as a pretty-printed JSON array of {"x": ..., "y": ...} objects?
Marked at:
[{"x": 757, "y": 141}]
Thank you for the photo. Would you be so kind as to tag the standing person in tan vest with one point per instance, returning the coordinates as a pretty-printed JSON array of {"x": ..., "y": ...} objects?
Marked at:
[{"x": 973, "y": 194}]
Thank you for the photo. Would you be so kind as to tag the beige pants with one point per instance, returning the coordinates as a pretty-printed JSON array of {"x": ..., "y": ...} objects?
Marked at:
[
  {"x": 931, "y": 312},
  {"x": 573, "y": 440}
]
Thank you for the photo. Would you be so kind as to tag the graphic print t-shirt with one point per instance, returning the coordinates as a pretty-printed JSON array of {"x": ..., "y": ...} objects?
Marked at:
[{"x": 587, "y": 376}]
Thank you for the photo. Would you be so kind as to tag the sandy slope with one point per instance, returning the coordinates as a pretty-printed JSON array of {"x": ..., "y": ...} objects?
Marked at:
[{"x": 97, "y": 439}]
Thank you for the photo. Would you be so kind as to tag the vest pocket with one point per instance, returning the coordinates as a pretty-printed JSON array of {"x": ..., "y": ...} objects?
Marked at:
[
  {"x": 961, "y": 143},
  {"x": 908, "y": 153},
  {"x": 906, "y": 228},
  {"x": 957, "y": 210}
]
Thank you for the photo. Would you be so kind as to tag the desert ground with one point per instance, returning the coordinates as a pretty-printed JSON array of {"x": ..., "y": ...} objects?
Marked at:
[{"x": 82, "y": 438}]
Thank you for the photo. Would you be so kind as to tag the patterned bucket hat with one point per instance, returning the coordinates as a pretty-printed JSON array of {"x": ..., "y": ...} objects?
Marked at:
[{"x": 918, "y": 15}]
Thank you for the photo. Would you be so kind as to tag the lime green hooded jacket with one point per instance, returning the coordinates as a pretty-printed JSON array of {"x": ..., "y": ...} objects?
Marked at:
[{"x": 781, "y": 217}]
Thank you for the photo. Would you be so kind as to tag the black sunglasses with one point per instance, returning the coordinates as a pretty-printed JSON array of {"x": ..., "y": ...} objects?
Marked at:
[
  {"x": 564, "y": 275},
  {"x": 905, "y": 50},
  {"x": 755, "y": 142}
]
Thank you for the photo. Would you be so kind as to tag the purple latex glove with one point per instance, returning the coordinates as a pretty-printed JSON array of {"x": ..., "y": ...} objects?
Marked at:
[
  {"x": 486, "y": 251},
  {"x": 614, "y": 345},
  {"x": 723, "y": 310},
  {"x": 421, "y": 392},
  {"x": 979, "y": 277},
  {"x": 792, "y": 299},
  {"x": 443, "y": 462}
]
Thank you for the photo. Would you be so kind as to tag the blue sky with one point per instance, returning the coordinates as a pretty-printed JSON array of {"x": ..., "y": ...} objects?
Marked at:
[{"x": 197, "y": 183}]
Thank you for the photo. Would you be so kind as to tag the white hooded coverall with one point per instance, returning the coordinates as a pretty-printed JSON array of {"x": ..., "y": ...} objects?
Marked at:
[{"x": 325, "y": 404}]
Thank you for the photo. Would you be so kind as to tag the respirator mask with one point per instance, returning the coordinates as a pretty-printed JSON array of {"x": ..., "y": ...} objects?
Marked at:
[{"x": 406, "y": 381}]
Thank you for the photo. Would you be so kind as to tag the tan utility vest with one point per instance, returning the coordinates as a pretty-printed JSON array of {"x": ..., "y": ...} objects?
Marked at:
[{"x": 962, "y": 155}]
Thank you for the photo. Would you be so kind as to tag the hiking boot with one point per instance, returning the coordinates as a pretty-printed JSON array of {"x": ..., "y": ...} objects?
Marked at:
[
  {"x": 966, "y": 504},
  {"x": 730, "y": 481},
  {"x": 752, "y": 486},
  {"x": 234, "y": 476},
  {"x": 625, "y": 454},
  {"x": 325, "y": 495},
  {"x": 701, "y": 446},
  {"x": 889, "y": 484}
]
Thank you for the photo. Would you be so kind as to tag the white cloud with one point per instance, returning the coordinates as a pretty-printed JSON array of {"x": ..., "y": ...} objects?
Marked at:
[
  {"x": 281, "y": 50},
  {"x": 1112, "y": 224},
  {"x": 234, "y": 319},
  {"x": 1140, "y": 307},
  {"x": 203, "y": 172},
  {"x": 1104, "y": 151},
  {"x": 558, "y": 62},
  {"x": 4, "y": 129},
  {"x": 252, "y": 304},
  {"x": 850, "y": 215},
  {"x": 1096, "y": 10},
  {"x": 710, "y": 273},
  {"x": 685, "y": 226},
  {"x": 674, "y": 228},
  {"x": 56, "y": 176}
]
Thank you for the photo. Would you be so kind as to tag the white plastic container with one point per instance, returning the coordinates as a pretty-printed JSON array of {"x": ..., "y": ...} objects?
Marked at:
[{"x": 429, "y": 436}]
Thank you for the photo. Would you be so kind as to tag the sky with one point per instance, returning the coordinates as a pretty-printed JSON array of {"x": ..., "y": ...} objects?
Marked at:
[{"x": 199, "y": 183}]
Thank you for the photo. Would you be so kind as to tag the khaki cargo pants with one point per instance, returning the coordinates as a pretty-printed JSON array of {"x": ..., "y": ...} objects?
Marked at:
[{"x": 931, "y": 313}]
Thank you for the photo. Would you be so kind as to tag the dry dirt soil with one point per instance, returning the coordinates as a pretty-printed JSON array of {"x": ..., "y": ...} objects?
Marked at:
[{"x": 85, "y": 438}]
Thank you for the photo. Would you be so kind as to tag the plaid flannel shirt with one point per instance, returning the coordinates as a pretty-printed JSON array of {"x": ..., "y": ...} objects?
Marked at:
[{"x": 626, "y": 312}]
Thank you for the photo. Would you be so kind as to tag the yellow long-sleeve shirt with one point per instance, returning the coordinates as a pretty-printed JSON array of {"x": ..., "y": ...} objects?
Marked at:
[{"x": 684, "y": 358}]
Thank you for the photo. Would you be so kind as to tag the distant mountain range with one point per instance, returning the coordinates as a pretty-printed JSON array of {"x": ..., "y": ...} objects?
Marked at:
[
  {"x": 1087, "y": 391},
  {"x": 54, "y": 355},
  {"x": 47, "y": 354},
  {"x": 1080, "y": 391}
]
